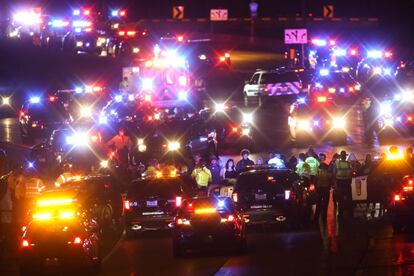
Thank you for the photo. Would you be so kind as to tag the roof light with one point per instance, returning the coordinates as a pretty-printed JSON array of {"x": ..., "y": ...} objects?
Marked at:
[
  {"x": 86, "y": 12},
  {"x": 338, "y": 123},
  {"x": 332, "y": 42},
  {"x": 388, "y": 54},
  {"x": 319, "y": 42},
  {"x": 339, "y": 52},
  {"x": 205, "y": 211},
  {"x": 247, "y": 118},
  {"x": 103, "y": 120},
  {"x": 374, "y": 54},
  {"x": 86, "y": 111},
  {"x": 385, "y": 108},
  {"x": 58, "y": 23},
  {"x": 34, "y": 100},
  {"x": 332, "y": 89},
  {"x": 118, "y": 98},
  {"x": 76, "y": 12},
  {"x": 147, "y": 84},
  {"x": 182, "y": 80},
  {"x": 115, "y": 13},
  {"x": 324, "y": 72},
  {"x": 131, "y": 97},
  {"x": 220, "y": 107},
  {"x": 173, "y": 146},
  {"x": 353, "y": 52}
]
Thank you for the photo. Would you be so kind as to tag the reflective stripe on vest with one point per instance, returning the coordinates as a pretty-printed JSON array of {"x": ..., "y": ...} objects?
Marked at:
[{"x": 343, "y": 170}]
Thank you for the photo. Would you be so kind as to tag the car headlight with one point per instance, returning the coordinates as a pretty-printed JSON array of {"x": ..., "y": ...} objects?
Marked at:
[
  {"x": 245, "y": 131},
  {"x": 247, "y": 118},
  {"x": 173, "y": 146},
  {"x": 104, "y": 164},
  {"x": 219, "y": 107},
  {"x": 79, "y": 43},
  {"x": 86, "y": 111},
  {"x": 388, "y": 122},
  {"x": 135, "y": 50},
  {"x": 5, "y": 101},
  {"x": 78, "y": 139},
  {"x": 303, "y": 125},
  {"x": 338, "y": 123}
]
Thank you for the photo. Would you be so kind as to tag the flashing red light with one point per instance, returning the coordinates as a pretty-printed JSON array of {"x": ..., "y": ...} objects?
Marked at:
[
  {"x": 86, "y": 12},
  {"x": 234, "y": 129},
  {"x": 150, "y": 118},
  {"x": 397, "y": 198},
  {"x": 21, "y": 113},
  {"x": 388, "y": 54},
  {"x": 222, "y": 59},
  {"x": 408, "y": 188},
  {"x": 311, "y": 187},
  {"x": 25, "y": 243},
  {"x": 332, "y": 42},
  {"x": 131, "y": 33},
  {"x": 77, "y": 240},
  {"x": 180, "y": 38},
  {"x": 144, "y": 33},
  {"x": 121, "y": 33},
  {"x": 178, "y": 201},
  {"x": 353, "y": 52},
  {"x": 126, "y": 205},
  {"x": 409, "y": 118},
  {"x": 351, "y": 89},
  {"x": 97, "y": 89},
  {"x": 52, "y": 98},
  {"x": 122, "y": 13},
  {"x": 235, "y": 197}
]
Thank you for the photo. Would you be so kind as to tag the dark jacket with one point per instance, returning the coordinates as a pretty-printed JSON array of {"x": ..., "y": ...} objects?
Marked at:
[{"x": 243, "y": 163}]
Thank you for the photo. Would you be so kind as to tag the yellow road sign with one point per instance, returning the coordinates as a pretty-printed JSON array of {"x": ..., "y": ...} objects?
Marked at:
[
  {"x": 178, "y": 12},
  {"x": 328, "y": 11}
]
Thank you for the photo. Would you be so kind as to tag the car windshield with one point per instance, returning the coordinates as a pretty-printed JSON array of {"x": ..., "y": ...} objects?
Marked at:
[
  {"x": 268, "y": 181},
  {"x": 279, "y": 77},
  {"x": 335, "y": 78}
]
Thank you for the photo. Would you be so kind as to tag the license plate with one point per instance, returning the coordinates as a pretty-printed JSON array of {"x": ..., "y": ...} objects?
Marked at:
[
  {"x": 260, "y": 196},
  {"x": 152, "y": 203}
]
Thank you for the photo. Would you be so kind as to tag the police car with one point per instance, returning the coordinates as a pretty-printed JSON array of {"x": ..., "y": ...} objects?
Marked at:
[
  {"x": 318, "y": 118},
  {"x": 208, "y": 223},
  {"x": 152, "y": 201},
  {"x": 272, "y": 195},
  {"x": 402, "y": 205},
  {"x": 274, "y": 83},
  {"x": 39, "y": 116},
  {"x": 66, "y": 225},
  {"x": 377, "y": 64},
  {"x": 131, "y": 43}
]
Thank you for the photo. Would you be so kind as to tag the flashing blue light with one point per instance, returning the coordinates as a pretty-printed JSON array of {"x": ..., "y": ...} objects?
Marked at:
[
  {"x": 221, "y": 204},
  {"x": 387, "y": 71},
  {"x": 324, "y": 72},
  {"x": 302, "y": 100},
  {"x": 182, "y": 96},
  {"x": 78, "y": 90},
  {"x": 30, "y": 165},
  {"x": 315, "y": 123},
  {"x": 115, "y": 13},
  {"x": 34, "y": 100},
  {"x": 339, "y": 52},
  {"x": 342, "y": 90},
  {"x": 76, "y": 12},
  {"x": 78, "y": 30},
  {"x": 118, "y": 98}
]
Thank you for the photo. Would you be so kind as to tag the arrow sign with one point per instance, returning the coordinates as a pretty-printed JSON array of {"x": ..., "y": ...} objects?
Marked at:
[
  {"x": 219, "y": 14},
  {"x": 178, "y": 12},
  {"x": 296, "y": 36},
  {"x": 328, "y": 11}
]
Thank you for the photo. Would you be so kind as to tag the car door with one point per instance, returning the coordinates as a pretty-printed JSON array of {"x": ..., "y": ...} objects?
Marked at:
[{"x": 253, "y": 86}]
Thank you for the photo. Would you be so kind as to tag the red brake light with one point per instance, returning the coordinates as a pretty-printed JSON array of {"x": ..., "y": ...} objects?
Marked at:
[
  {"x": 322, "y": 99},
  {"x": 178, "y": 201},
  {"x": 126, "y": 205},
  {"x": 180, "y": 38},
  {"x": 87, "y": 12},
  {"x": 230, "y": 218},
  {"x": 222, "y": 59},
  {"x": 131, "y": 33},
  {"x": 77, "y": 240},
  {"x": 121, "y": 33},
  {"x": 311, "y": 187},
  {"x": 122, "y": 13},
  {"x": 25, "y": 243},
  {"x": 235, "y": 197},
  {"x": 397, "y": 198}
]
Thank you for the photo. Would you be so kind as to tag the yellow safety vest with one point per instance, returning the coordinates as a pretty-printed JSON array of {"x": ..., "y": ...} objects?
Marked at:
[
  {"x": 303, "y": 169},
  {"x": 313, "y": 164},
  {"x": 343, "y": 170},
  {"x": 202, "y": 176}
]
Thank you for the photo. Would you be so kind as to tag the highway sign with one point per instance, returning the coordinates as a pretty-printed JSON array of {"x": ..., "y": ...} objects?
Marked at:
[
  {"x": 219, "y": 14},
  {"x": 178, "y": 12},
  {"x": 328, "y": 11},
  {"x": 296, "y": 36}
]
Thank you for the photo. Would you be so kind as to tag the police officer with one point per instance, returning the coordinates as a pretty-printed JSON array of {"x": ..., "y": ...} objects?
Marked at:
[
  {"x": 323, "y": 185},
  {"x": 343, "y": 178},
  {"x": 313, "y": 167},
  {"x": 124, "y": 85},
  {"x": 65, "y": 176},
  {"x": 202, "y": 176},
  {"x": 303, "y": 168}
]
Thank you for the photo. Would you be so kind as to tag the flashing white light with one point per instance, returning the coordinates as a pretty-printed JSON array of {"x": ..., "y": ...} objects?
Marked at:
[
  {"x": 388, "y": 122},
  {"x": 58, "y": 23},
  {"x": 86, "y": 111},
  {"x": 182, "y": 80},
  {"x": 88, "y": 89},
  {"x": 140, "y": 141},
  {"x": 377, "y": 71},
  {"x": 79, "y": 43},
  {"x": 302, "y": 100},
  {"x": 135, "y": 50},
  {"x": 182, "y": 95},
  {"x": 81, "y": 23},
  {"x": 147, "y": 84},
  {"x": 221, "y": 204},
  {"x": 157, "y": 50},
  {"x": 346, "y": 69},
  {"x": 78, "y": 90},
  {"x": 324, "y": 72},
  {"x": 115, "y": 13},
  {"x": 245, "y": 131},
  {"x": 118, "y": 98},
  {"x": 406, "y": 96},
  {"x": 173, "y": 146},
  {"x": 338, "y": 123},
  {"x": 131, "y": 97},
  {"x": 316, "y": 123},
  {"x": 375, "y": 54},
  {"x": 5, "y": 101},
  {"x": 385, "y": 109},
  {"x": 104, "y": 164},
  {"x": 318, "y": 85},
  {"x": 247, "y": 118},
  {"x": 76, "y": 12},
  {"x": 78, "y": 139},
  {"x": 220, "y": 107},
  {"x": 27, "y": 18},
  {"x": 202, "y": 57},
  {"x": 339, "y": 52},
  {"x": 78, "y": 30},
  {"x": 103, "y": 120},
  {"x": 319, "y": 42},
  {"x": 342, "y": 90},
  {"x": 34, "y": 100},
  {"x": 387, "y": 71},
  {"x": 357, "y": 87},
  {"x": 303, "y": 124}
]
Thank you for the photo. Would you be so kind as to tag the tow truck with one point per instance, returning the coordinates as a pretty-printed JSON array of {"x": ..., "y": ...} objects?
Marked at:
[{"x": 318, "y": 118}]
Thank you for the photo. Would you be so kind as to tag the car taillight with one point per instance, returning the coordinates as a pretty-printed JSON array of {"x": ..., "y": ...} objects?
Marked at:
[
  {"x": 126, "y": 205},
  {"x": 235, "y": 197},
  {"x": 178, "y": 201},
  {"x": 408, "y": 188},
  {"x": 397, "y": 197},
  {"x": 311, "y": 187},
  {"x": 25, "y": 243},
  {"x": 121, "y": 33},
  {"x": 77, "y": 240},
  {"x": 230, "y": 218},
  {"x": 131, "y": 33},
  {"x": 322, "y": 99},
  {"x": 222, "y": 59}
]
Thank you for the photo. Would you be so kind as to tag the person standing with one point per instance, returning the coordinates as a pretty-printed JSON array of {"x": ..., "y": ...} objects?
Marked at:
[
  {"x": 202, "y": 176},
  {"x": 323, "y": 186},
  {"x": 343, "y": 178},
  {"x": 313, "y": 166},
  {"x": 229, "y": 171},
  {"x": 303, "y": 168},
  {"x": 215, "y": 171},
  {"x": 245, "y": 161}
]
